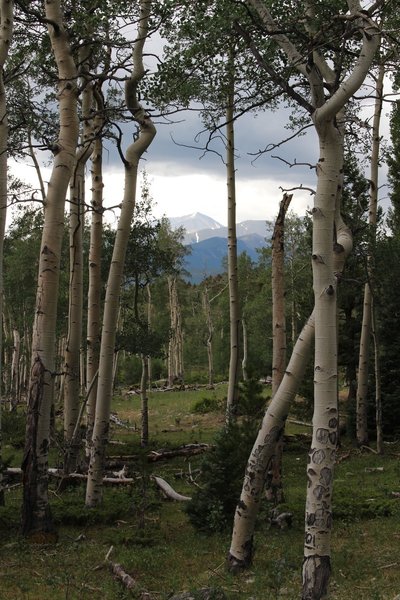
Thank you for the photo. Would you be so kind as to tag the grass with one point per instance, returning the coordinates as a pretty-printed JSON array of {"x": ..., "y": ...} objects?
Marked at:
[{"x": 156, "y": 544}]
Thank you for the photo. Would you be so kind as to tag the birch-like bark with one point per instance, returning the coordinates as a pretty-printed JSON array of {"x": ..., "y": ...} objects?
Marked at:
[
  {"x": 36, "y": 515},
  {"x": 72, "y": 356},
  {"x": 134, "y": 152},
  {"x": 378, "y": 387},
  {"x": 6, "y": 30},
  {"x": 94, "y": 292},
  {"x": 241, "y": 550},
  {"x": 322, "y": 455},
  {"x": 366, "y": 328},
  {"x": 210, "y": 333},
  {"x": 324, "y": 112},
  {"x": 234, "y": 308}
]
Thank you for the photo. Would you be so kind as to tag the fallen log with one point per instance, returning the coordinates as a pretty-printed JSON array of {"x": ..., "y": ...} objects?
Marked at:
[
  {"x": 168, "y": 490},
  {"x": 162, "y": 454},
  {"x": 127, "y": 580},
  {"x": 58, "y": 474}
]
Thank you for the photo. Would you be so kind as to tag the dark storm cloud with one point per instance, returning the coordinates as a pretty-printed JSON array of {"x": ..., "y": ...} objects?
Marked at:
[{"x": 179, "y": 148}]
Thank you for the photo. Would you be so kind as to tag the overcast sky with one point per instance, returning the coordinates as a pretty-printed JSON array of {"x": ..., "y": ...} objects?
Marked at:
[{"x": 186, "y": 180}]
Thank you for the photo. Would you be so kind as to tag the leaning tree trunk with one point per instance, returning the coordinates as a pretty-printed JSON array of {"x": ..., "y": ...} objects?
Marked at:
[
  {"x": 262, "y": 454},
  {"x": 6, "y": 29},
  {"x": 364, "y": 356},
  {"x": 134, "y": 152},
  {"x": 274, "y": 488},
  {"x": 234, "y": 308},
  {"x": 36, "y": 516}
]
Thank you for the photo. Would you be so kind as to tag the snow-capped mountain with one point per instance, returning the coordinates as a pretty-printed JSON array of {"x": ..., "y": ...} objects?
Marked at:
[
  {"x": 194, "y": 223},
  {"x": 207, "y": 240},
  {"x": 199, "y": 227}
]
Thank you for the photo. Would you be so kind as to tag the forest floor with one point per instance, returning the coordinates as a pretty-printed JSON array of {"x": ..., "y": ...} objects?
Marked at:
[{"x": 155, "y": 543}]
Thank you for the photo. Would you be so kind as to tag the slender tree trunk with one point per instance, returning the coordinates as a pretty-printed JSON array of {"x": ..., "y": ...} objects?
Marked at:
[
  {"x": 94, "y": 293},
  {"x": 175, "y": 349},
  {"x": 364, "y": 357},
  {"x": 234, "y": 308},
  {"x": 72, "y": 357},
  {"x": 378, "y": 391},
  {"x": 245, "y": 342},
  {"x": 278, "y": 296},
  {"x": 274, "y": 488},
  {"x": 150, "y": 323},
  {"x": 210, "y": 333},
  {"x": 133, "y": 155},
  {"x": 15, "y": 369},
  {"x": 36, "y": 517},
  {"x": 6, "y": 30},
  {"x": 144, "y": 408}
]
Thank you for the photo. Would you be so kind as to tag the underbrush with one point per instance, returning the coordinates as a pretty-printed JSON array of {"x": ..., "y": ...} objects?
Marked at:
[{"x": 157, "y": 545}]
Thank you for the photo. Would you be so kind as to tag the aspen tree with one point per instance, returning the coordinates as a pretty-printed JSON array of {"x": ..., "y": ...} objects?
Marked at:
[
  {"x": 6, "y": 29},
  {"x": 325, "y": 111},
  {"x": 73, "y": 346},
  {"x": 367, "y": 329},
  {"x": 134, "y": 152},
  {"x": 36, "y": 514}
]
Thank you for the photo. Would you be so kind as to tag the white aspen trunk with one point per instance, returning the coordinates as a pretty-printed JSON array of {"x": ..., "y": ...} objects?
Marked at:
[
  {"x": 378, "y": 391},
  {"x": 36, "y": 517},
  {"x": 72, "y": 356},
  {"x": 234, "y": 309},
  {"x": 210, "y": 333},
  {"x": 364, "y": 356},
  {"x": 324, "y": 111},
  {"x": 94, "y": 292},
  {"x": 133, "y": 155},
  {"x": 241, "y": 550},
  {"x": 245, "y": 342},
  {"x": 322, "y": 455},
  {"x": 6, "y": 30}
]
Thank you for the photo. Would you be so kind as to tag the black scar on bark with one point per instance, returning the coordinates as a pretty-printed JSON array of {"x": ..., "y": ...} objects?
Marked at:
[
  {"x": 325, "y": 476},
  {"x": 236, "y": 565},
  {"x": 318, "y": 456},
  {"x": 316, "y": 573}
]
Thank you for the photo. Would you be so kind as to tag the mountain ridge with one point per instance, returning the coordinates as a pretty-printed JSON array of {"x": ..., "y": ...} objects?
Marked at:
[{"x": 208, "y": 244}]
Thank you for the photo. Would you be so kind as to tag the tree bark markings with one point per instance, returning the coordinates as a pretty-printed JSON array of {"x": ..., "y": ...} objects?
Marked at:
[
  {"x": 133, "y": 154},
  {"x": 43, "y": 344}
]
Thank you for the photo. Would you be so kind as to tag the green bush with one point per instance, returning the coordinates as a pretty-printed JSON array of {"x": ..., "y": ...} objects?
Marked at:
[
  {"x": 206, "y": 405},
  {"x": 13, "y": 428},
  {"x": 213, "y": 505}
]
